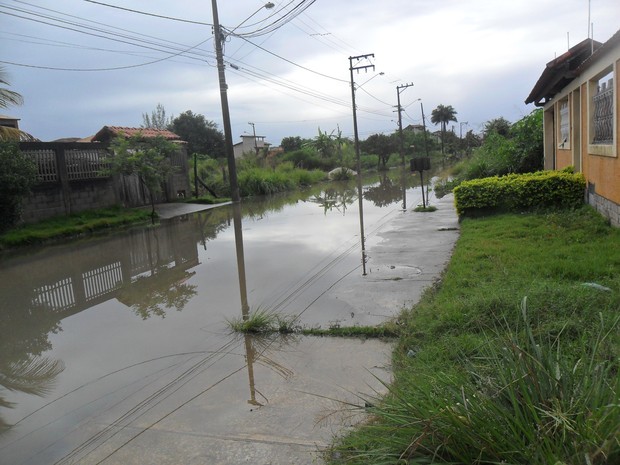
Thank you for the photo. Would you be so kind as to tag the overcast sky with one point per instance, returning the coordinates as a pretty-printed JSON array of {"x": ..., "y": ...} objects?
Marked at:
[{"x": 289, "y": 73}]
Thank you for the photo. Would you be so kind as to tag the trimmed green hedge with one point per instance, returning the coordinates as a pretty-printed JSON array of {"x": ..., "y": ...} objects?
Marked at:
[{"x": 519, "y": 192}]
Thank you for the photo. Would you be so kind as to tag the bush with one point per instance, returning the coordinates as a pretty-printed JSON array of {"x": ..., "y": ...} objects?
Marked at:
[
  {"x": 540, "y": 190},
  {"x": 17, "y": 176}
]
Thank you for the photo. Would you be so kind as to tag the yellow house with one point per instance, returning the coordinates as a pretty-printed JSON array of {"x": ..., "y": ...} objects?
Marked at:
[{"x": 579, "y": 93}]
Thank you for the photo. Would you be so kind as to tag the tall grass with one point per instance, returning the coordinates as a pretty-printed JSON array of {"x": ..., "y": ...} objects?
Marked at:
[
  {"x": 264, "y": 181},
  {"x": 483, "y": 379}
]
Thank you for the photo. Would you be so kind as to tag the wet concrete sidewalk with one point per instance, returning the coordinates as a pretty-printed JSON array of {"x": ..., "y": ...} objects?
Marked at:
[
  {"x": 405, "y": 255},
  {"x": 310, "y": 389}
]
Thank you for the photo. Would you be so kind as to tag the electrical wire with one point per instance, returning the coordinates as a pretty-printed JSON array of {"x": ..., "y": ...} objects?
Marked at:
[{"x": 148, "y": 14}]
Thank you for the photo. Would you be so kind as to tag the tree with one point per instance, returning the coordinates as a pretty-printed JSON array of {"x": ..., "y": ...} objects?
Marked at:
[
  {"x": 7, "y": 98},
  {"x": 17, "y": 176},
  {"x": 528, "y": 136},
  {"x": 499, "y": 125},
  {"x": 290, "y": 144},
  {"x": 443, "y": 114},
  {"x": 147, "y": 158},
  {"x": 323, "y": 143},
  {"x": 157, "y": 120},
  {"x": 381, "y": 145},
  {"x": 202, "y": 136}
]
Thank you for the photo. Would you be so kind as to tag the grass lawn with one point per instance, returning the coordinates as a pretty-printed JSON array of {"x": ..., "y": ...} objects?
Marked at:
[
  {"x": 66, "y": 226},
  {"x": 513, "y": 358}
]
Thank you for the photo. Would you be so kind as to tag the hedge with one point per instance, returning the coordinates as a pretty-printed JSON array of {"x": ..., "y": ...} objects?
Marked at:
[{"x": 520, "y": 192}]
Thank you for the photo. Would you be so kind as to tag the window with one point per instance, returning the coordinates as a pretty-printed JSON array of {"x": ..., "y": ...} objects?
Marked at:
[
  {"x": 564, "y": 136},
  {"x": 602, "y": 114}
]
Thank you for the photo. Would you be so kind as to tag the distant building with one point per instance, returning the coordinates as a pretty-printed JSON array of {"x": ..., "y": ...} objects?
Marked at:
[
  {"x": 250, "y": 144},
  {"x": 9, "y": 122},
  {"x": 415, "y": 128}
]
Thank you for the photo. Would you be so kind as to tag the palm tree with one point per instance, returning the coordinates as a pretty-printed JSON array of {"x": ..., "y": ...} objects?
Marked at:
[
  {"x": 8, "y": 98},
  {"x": 443, "y": 114}
]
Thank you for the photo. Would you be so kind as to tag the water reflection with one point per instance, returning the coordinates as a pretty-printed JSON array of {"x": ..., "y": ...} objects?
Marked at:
[
  {"x": 68, "y": 304},
  {"x": 386, "y": 192},
  {"x": 338, "y": 197}
]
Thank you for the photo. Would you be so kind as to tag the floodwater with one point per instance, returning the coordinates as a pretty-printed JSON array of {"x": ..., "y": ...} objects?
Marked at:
[{"x": 106, "y": 339}]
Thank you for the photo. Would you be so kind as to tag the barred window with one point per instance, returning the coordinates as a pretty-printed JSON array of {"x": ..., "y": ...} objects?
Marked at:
[
  {"x": 603, "y": 111},
  {"x": 564, "y": 139}
]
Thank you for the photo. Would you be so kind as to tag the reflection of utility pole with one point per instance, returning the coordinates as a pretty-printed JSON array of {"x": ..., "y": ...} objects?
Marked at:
[
  {"x": 245, "y": 309},
  {"x": 357, "y": 148},
  {"x": 255, "y": 141},
  {"x": 399, "y": 89}
]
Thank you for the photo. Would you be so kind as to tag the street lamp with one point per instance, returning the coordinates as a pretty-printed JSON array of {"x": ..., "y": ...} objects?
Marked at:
[
  {"x": 462, "y": 123},
  {"x": 228, "y": 143}
]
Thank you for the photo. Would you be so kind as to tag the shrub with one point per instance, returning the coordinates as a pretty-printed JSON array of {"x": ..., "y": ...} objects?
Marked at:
[
  {"x": 17, "y": 176},
  {"x": 540, "y": 190}
]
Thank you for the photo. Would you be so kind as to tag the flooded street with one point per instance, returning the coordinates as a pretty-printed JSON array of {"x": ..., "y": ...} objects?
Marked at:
[{"x": 117, "y": 349}]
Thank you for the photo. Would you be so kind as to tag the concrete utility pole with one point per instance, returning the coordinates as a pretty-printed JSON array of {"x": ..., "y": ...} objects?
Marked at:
[
  {"x": 357, "y": 147},
  {"x": 255, "y": 141},
  {"x": 424, "y": 127},
  {"x": 399, "y": 89},
  {"x": 228, "y": 143}
]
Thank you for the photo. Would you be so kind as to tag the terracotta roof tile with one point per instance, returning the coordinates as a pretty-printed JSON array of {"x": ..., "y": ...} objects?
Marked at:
[{"x": 146, "y": 132}]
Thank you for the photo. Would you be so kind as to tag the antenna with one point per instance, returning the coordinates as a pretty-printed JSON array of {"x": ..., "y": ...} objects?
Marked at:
[{"x": 589, "y": 29}]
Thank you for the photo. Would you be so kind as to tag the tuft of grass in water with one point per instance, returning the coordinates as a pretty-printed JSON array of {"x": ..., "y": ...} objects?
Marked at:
[
  {"x": 77, "y": 224},
  {"x": 480, "y": 381},
  {"x": 428, "y": 208},
  {"x": 387, "y": 331},
  {"x": 263, "y": 321}
]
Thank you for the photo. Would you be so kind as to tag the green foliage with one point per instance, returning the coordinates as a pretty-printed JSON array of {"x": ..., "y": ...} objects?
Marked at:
[
  {"x": 157, "y": 118},
  {"x": 263, "y": 181},
  {"x": 202, "y": 136},
  {"x": 527, "y": 134},
  {"x": 442, "y": 115},
  {"x": 480, "y": 381},
  {"x": 305, "y": 158},
  {"x": 499, "y": 126},
  {"x": 17, "y": 176},
  {"x": 520, "y": 152},
  {"x": 261, "y": 321},
  {"x": 147, "y": 158},
  {"x": 290, "y": 144},
  {"x": 381, "y": 145},
  {"x": 73, "y": 225},
  {"x": 540, "y": 190}
]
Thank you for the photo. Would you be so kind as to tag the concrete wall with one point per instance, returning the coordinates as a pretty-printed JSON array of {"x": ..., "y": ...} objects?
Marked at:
[{"x": 71, "y": 180}]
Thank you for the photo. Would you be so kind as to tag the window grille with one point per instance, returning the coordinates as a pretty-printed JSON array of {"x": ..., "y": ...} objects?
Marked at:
[
  {"x": 603, "y": 103},
  {"x": 564, "y": 124}
]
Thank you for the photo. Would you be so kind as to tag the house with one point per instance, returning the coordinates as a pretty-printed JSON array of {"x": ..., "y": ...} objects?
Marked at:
[
  {"x": 178, "y": 183},
  {"x": 578, "y": 92},
  {"x": 415, "y": 128},
  {"x": 107, "y": 133},
  {"x": 250, "y": 144},
  {"x": 9, "y": 122}
]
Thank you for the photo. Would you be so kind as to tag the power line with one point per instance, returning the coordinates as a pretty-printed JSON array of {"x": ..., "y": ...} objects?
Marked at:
[{"x": 148, "y": 14}]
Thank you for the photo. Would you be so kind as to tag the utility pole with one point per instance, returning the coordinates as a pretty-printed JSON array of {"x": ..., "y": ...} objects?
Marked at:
[
  {"x": 424, "y": 127},
  {"x": 255, "y": 141},
  {"x": 399, "y": 89},
  {"x": 357, "y": 146},
  {"x": 228, "y": 143}
]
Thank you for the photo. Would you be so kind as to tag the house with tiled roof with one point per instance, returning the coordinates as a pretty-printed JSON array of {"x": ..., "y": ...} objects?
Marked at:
[
  {"x": 579, "y": 94},
  {"x": 107, "y": 133}
]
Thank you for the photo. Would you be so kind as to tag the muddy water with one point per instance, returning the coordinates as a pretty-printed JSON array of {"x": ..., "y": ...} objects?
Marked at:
[{"x": 107, "y": 339}]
